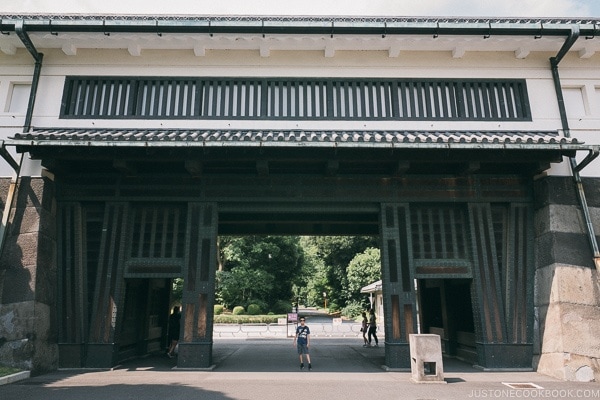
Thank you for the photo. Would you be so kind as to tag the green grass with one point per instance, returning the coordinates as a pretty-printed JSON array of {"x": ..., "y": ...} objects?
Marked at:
[{"x": 8, "y": 371}]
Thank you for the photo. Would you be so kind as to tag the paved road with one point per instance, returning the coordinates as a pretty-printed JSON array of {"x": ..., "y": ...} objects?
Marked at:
[{"x": 267, "y": 369}]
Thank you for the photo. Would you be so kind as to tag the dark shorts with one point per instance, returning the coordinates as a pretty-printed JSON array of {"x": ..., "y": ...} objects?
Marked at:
[{"x": 302, "y": 348}]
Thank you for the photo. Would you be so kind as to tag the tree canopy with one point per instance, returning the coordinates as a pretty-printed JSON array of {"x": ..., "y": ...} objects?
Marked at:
[{"x": 269, "y": 270}]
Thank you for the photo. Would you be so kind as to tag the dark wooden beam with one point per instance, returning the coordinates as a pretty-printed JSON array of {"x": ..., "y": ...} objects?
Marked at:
[
  {"x": 332, "y": 167},
  {"x": 401, "y": 167},
  {"x": 194, "y": 167},
  {"x": 540, "y": 167},
  {"x": 470, "y": 168},
  {"x": 262, "y": 167},
  {"x": 124, "y": 167}
]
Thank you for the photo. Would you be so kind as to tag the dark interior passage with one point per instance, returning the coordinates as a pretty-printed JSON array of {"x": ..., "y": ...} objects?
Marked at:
[
  {"x": 145, "y": 317},
  {"x": 447, "y": 310}
]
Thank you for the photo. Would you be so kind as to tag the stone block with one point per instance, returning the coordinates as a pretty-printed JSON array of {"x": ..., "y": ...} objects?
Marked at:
[
  {"x": 567, "y": 284},
  {"x": 36, "y": 192},
  {"x": 25, "y": 220},
  {"x": 552, "y": 334},
  {"x": 569, "y": 367},
  {"x": 563, "y": 248},
  {"x": 426, "y": 363},
  {"x": 595, "y": 216},
  {"x": 23, "y": 251},
  {"x": 554, "y": 190},
  {"x": 568, "y": 300},
  {"x": 580, "y": 329},
  {"x": 17, "y": 320},
  {"x": 4, "y": 185},
  {"x": 17, "y": 284},
  {"x": 591, "y": 187},
  {"x": 559, "y": 218}
]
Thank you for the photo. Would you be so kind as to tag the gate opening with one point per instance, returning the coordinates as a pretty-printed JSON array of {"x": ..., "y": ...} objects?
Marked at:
[{"x": 445, "y": 309}]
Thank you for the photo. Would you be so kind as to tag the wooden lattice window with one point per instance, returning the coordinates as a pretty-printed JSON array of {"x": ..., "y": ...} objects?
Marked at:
[
  {"x": 439, "y": 232},
  {"x": 158, "y": 231},
  {"x": 295, "y": 98}
]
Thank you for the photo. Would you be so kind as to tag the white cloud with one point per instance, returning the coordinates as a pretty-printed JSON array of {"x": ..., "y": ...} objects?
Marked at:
[{"x": 453, "y": 8}]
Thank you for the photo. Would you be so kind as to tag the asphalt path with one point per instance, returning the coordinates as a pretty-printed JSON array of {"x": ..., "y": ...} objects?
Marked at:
[{"x": 268, "y": 369}]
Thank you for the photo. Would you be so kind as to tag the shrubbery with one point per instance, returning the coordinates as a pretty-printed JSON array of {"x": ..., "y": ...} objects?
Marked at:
[
  {"x": 254, "y": 309},
  {"x": 247, "y": 319},
  {"x": 352, "y": 310},
  {"x": 238, "y": 310},
  {"x": 219, "y": 309},
  {"x": 281, "y": 307},
  {"x": 333, "y": 307}
]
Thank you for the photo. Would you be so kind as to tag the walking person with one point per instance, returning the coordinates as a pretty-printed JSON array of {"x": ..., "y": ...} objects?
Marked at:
[
  {"x": 373, "y": 328},
  {"x": 302, "y": 342},
  {"x": 174, "y": 330},
  {"x": 364, "y": 329}
]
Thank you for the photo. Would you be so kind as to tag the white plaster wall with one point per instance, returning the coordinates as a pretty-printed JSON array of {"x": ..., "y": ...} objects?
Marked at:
[
  {"x": 583, "y": 113},
  {"x": 15, "y": 70},
  {"x": 296, "y": 64},
  {"x": 535, "y": 68}
]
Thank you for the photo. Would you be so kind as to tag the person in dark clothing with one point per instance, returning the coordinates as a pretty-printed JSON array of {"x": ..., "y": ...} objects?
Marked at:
[
  {"x": 302, "y": 341},
  {"x": 174, "y": 330},
  {"x": 373, "y": 328}
]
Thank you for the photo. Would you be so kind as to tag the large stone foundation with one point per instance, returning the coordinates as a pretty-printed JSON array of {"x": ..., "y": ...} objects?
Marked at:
[
  {"x": 28, "y": 333},
  {"x": 567, "y": 287},
  {"x": 568, "y": 309}
]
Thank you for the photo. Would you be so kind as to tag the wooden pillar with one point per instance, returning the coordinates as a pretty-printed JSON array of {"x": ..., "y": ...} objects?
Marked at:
[
  {"x": 195, "y": 347},
  {"x": 109, "y": 290},
  {"x": 72, "y": 287},
  {"x": 397, "y": 284},
  {"x": 502, "y": 290}
]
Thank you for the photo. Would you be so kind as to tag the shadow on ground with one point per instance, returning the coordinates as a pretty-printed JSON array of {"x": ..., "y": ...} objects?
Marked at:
[{"x": 279, "y": 355}]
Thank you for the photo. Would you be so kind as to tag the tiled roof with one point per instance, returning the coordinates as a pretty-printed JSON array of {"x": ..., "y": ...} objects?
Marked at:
[
  {"x": 295, "y": 138},
  {"x": 307, "y": 19}
]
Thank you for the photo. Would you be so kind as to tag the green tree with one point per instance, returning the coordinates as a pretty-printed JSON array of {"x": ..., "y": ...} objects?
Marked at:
[
  {"x": 365, "y": 268},
  {"x": 279, "y": 257},
  {"x": 176, "y": 291},
  {"x": 241, "y": 285},
  {"x": 313, "y": 280},
  {"x": 336, "y": 253}
]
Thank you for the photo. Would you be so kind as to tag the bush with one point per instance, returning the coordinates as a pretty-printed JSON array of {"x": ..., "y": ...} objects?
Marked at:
[
  {"x": 219, "y": 309},
  {"x": 282, "y": 307},
  {"x": 247, "y": 319},
  {"x": 352, "y": 309},
  {"x": 333, "y": 307},
  {"x": 262, "y": 305},
  {"x": 254, "y": 309},
  {"x": 238, "y": 310}
]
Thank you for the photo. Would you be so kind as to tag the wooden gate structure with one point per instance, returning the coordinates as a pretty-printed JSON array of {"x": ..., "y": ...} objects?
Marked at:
[
  {"x": 154, "y": 212},
  {"x": 143, "y": 138}
]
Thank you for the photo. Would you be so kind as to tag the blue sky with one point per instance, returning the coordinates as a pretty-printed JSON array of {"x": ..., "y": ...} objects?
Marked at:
[{"x": 451, "y": 8}]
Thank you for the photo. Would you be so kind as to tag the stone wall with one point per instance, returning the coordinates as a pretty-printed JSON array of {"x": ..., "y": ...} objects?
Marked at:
[
  {"x": 28, "y": 277},
  {"x": 567, "y": 287}
]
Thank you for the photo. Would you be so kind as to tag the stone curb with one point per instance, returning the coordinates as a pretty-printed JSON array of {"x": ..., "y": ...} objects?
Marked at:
[{"x": 19, "y": 376}]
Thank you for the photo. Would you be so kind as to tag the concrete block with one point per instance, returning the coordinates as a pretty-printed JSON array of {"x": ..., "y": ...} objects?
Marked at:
[
  {"x": 19, "y": 376},
  {"x": 426, "y": 361}
]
